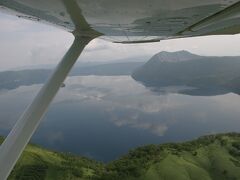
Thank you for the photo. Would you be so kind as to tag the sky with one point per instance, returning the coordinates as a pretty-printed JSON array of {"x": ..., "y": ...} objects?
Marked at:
[{"x": 24, "y": 43}]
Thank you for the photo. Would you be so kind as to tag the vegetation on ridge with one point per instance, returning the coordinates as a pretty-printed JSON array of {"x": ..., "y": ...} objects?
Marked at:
[
  {"x": 37, "y": 164},
  {"x": 209, "y": 157}
]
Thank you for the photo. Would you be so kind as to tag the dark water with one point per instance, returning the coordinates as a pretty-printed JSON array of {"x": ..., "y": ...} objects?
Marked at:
[{"x": 104, "y": 117}]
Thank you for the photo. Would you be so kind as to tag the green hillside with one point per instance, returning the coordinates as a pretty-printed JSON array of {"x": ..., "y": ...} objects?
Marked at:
[
  {"x": 210, "y": 157},
  {"x": 37, "y": 163}
]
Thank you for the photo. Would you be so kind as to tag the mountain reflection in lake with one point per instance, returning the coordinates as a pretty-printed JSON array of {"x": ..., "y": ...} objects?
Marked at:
[{"x": 103, "y": 117}]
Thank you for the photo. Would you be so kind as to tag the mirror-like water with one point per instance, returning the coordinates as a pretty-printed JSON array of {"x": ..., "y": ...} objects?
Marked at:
[{"x": 103, "y": 117}]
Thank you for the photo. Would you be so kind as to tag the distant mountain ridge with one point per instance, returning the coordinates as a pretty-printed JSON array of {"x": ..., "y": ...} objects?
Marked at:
[
  {"x": 177, "y": 56},
  {"x": 186, "y": 69},
  {"x": 14, "y": 79}
]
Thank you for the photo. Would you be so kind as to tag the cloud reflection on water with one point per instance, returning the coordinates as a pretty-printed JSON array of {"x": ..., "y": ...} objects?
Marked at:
[{"x": 94, "y": 114}]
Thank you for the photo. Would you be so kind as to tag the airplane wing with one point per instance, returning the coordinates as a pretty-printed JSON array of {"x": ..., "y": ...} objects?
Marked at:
[{"x": 133, "y": 21}]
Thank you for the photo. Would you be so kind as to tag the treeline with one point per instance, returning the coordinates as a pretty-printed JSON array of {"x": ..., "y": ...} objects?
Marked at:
[{"x": 37, "y": 163}]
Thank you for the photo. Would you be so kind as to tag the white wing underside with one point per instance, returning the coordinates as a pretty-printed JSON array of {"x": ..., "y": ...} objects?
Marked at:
[{"x": 133, "y": 21}]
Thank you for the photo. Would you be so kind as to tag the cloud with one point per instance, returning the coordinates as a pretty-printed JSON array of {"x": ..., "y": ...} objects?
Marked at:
[
  {"x": 113, "y": 92},
  {"x": 27, "y": 43},
  {"x": 54, "y": 137},
  {"x": 10, "y": 110},
  {"x": 134, "y": 121},
  {"x": 124, "y": 106}
]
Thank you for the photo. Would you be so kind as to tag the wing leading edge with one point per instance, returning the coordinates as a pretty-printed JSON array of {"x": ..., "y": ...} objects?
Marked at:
[{"x": 135, "y": 21}]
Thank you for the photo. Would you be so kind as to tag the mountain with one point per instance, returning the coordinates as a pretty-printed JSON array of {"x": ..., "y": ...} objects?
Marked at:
[
  {"x": 210, "y": 157},
  {"x": 85, "y": 63},
  {"x": 113, "y": 69},
  {"x": 206, "y": 75},
  {"x": 177, "y": 56},
  {"x": 14, "y": 79}
]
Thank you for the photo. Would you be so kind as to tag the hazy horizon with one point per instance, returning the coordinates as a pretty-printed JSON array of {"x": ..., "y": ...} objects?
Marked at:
[{"x": 27, "y": 43}]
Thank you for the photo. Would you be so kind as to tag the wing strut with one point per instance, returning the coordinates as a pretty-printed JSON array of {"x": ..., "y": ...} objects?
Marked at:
[{"x": 24, "y": 128}]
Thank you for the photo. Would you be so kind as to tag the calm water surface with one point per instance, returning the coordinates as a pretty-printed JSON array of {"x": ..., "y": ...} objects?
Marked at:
[{"x": 103, "y": 117}]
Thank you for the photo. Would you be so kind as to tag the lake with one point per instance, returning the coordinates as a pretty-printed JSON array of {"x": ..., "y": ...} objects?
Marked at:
[{"x": 103, "y": 117}]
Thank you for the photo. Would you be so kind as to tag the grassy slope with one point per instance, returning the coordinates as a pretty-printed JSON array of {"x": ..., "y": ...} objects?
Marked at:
[
  {"x": 37, "y": 163},
  {"x": 210, "y": 157}
]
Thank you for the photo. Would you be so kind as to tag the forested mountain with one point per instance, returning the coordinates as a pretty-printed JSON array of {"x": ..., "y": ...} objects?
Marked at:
[{"x": 213, "y": 75}]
